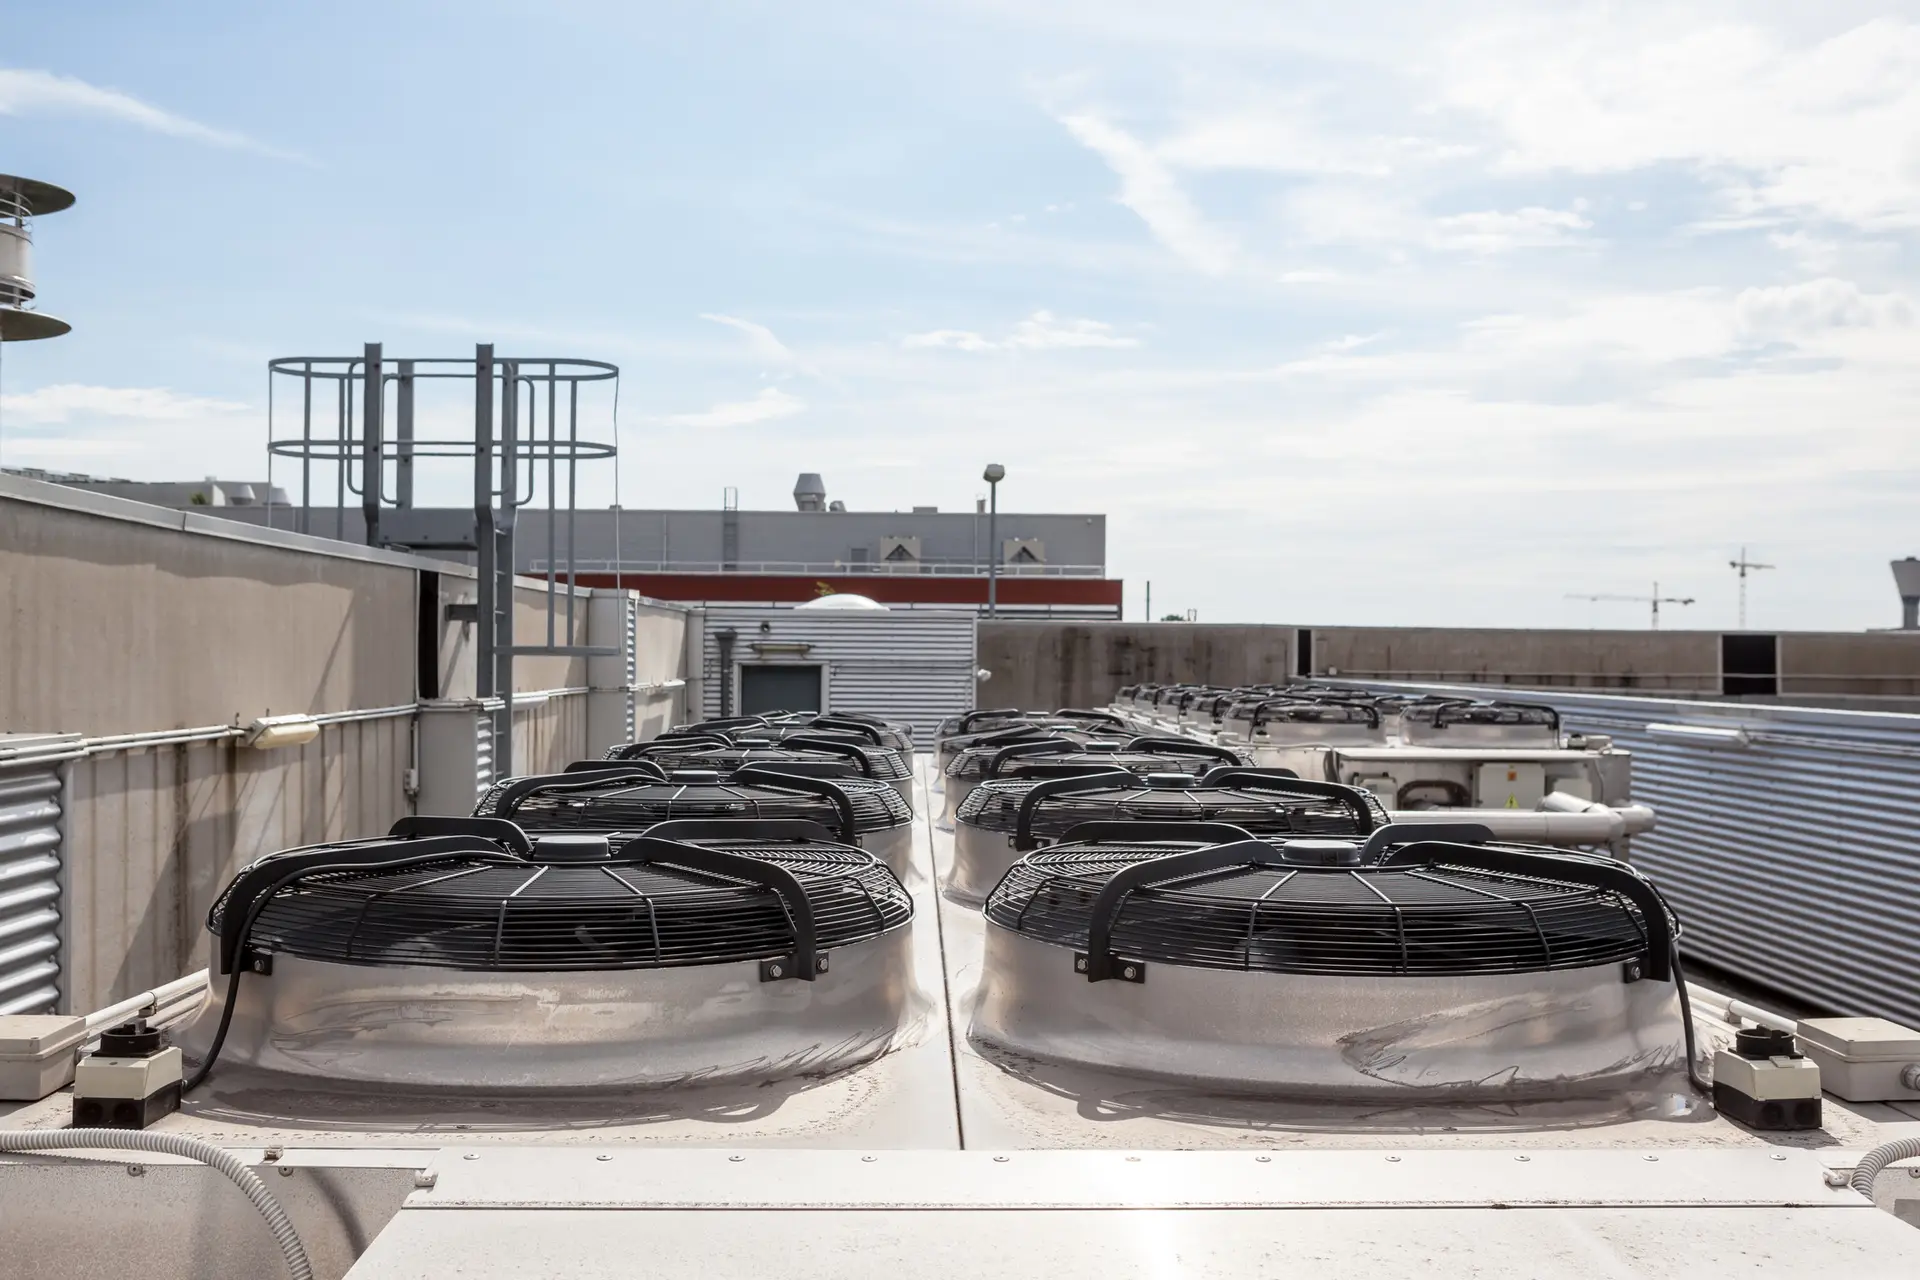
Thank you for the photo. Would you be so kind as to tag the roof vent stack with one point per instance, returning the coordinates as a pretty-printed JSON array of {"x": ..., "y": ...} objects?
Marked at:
[
  {"x": 1906, "y": 578},
  {"x": 810, "y": 492}
]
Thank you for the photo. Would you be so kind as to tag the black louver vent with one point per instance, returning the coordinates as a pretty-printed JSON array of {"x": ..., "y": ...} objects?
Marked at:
[
  {"x": 1428, "y": 919},
  {"x": 481, "y": 912}
]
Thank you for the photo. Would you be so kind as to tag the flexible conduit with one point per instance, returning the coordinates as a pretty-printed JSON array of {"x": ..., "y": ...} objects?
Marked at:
[
  {"x": 174, "y": 1144},
  {"x": 1879, "y": 1158}
]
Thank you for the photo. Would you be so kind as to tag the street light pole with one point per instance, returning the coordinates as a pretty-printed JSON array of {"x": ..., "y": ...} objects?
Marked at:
[{"x": 993, "y": 475}]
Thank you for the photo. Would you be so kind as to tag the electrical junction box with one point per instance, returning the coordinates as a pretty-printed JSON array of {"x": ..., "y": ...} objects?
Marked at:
[
  {"x": 1509, "y": 784},
  {"x": 1864, "y": 1059},
  {"x": 36, "y": 1054}
]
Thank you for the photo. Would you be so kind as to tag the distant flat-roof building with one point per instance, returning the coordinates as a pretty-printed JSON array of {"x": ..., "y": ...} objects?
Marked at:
[{"x": 1049, "y": 564}]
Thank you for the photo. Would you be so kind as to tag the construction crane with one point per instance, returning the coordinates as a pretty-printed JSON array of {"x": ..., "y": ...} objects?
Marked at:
[
  {"x": 1656, "y": 600},
  {"x": 1744, "y": 565}
]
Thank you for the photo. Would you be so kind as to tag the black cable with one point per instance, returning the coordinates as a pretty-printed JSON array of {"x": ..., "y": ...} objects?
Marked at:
[{"x": 1686, "y": 1024}]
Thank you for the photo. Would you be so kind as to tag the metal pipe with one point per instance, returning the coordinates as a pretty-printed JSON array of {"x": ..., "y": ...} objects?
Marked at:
[
  {"x": 371, "y": 468},
  {"x": 403, "y": 434},
  {"x": 993, "y": 475}
]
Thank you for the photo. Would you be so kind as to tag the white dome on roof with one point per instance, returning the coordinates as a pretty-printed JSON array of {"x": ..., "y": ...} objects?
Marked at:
[{"x": 845, "y": 600}]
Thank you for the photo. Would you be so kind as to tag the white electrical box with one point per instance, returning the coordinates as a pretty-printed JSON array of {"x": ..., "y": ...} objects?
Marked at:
[
  {"x": 1511, "y": 784},
  {"x": 1864, "y": 1059}
]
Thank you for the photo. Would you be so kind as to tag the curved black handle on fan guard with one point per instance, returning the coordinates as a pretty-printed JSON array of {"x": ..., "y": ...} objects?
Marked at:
[
  {"x": 1398, "y": 833},
  {"x": 1158, "y": 745},
  {"x": 804, "y": 963},
  {"x": 1616, "y": 877},
  {"x": 508, "y": 835},
  {"x": 664, "y": 745},
  {"x": 740, "y": 829},
  {"x": 1105, "y": 780},
  {"x": 772, "y": 776},
  {"x": 832, "y": 746},
  {"x": 1078, "y": 713},
  {"x": 968, "y": 720},
  {"x": 1441, "y": 719},
  {"x": 1101, "y": 962},
  {"x": 1260, "y": 718},
  {"x": 680, "y": 759},
  {"x": 1153, "y": 832},
  {"x": 721, "y": 725},
  {"x": 1038, "y": 747},
  {"x": 866, "y": 731},
  {"x": 1044, "y": 768},
  {"x": 1282, "y": 780},
  {"x": 519, "y": 789},
  {"x": 241, "y": 904}
]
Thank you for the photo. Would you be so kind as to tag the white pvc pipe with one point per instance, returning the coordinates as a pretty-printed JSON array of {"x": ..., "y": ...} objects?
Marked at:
[{"x": 151, "y": 1003}]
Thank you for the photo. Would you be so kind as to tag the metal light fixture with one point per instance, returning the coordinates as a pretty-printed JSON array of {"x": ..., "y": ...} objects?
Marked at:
[
  {"x": 993, "y": 475},
  {"x": 269, "y": 733}
]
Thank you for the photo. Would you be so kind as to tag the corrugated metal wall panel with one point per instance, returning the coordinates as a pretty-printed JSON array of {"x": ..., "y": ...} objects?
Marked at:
[
  {"x": 550, "y": 736},
  {"x": 154, "y": 832},
  {"x": 30, "y": 811},
  {"x": 914, "y": 667},
  {"x": 1794, "y": 862}
]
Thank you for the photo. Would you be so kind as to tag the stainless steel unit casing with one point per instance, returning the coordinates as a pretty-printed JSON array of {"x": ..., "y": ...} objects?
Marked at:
[
  {"x": 417, "y": 1027},
  {"x": 980, "y": 857},
  {"x": 1567, "y": 1033},
  {"x": 893, "y": 846}
]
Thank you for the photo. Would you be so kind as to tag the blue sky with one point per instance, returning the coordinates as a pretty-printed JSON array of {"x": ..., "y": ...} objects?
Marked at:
[{"x": 1369, "y": 313}]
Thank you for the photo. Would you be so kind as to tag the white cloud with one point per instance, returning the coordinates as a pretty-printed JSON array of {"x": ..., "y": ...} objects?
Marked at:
[
  {"x": 1492, "y": 231},
  {"x": 764, "y": 343},
  {"x": 1041, "y": 331},
  {"x": 1783, "y": 125},
  {"x": 1814, "y": 305},
  {"x": 958, "y": 339},
  {"x": 66, "y": 402},
  {"x": 1148, "y": 187},
  {"x": 771, "y": 403},
  {"x": 29, "y": 92}
]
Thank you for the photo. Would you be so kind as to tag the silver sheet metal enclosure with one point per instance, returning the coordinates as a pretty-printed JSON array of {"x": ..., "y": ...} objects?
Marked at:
[
  {"x": 1789, "y": 838},
  {"x": 912, "y": 666}
]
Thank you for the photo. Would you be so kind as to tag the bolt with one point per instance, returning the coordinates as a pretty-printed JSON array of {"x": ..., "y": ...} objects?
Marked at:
[
  {"x": 136, "y": 1171},
  {"x": 1393, "y": 1159},
  {"x": 286, "y": 1171},
  {"x": 1079, "y": 964},
  {"x": 999, "y": 1159},
  {"x": 867, "y": 1159},
  {"x": 776, "y": 971},
  {"x": 471, "y": 1155},
  {"x": 1263, "y": 1159},
  {"x": 1650, "y": 1159},
  {"x": 1778, "y": 1155},
  {"x": 1130, "y": 972},
  {"x": 735, "y": 1159},
  {"x": 1523, "y": 1159},
  {"x": 603, "y": 1158}
]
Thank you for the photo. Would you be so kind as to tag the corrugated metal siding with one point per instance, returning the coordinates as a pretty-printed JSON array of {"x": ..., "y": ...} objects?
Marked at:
[
  {"x": 913, "y": 667},
  {"x": 552, "y": 735},
  {"x": 482, "y": 754},
  {"x": 154, "y": 832},
  {"x": 1794, "y": 862},
  {"x": 30, "y": 809}
]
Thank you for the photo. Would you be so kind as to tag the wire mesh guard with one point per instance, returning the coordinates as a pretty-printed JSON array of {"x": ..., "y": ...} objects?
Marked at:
[
  {"x": 995, "y": 806},
  {"x": 476, "y": 911},
  {"x": 1428, "y": 919},
  {"x": 586, "y": 802}
]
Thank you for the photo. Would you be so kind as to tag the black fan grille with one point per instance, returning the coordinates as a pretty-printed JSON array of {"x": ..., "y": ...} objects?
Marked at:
[
  {"x": 461, "y": 914},
  {"x": 634, "y": 806},
  {"x": 1431, "y": 920},
  {"x": 996, "y": 807}
]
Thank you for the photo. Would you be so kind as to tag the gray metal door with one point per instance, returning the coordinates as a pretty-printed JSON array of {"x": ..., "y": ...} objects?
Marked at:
[
  {"x": 783, "y": 687},
  {"x": 30, "y": 796}
]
